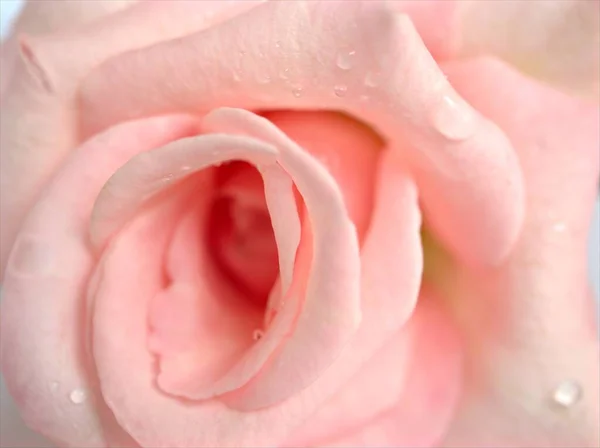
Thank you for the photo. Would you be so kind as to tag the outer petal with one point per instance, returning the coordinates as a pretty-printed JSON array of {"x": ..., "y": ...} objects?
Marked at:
[
  {"x": 43, "y": 93},
  {"x": 42, "y": 17},
  {"x": 530, "y": 322},
  {"x": 422, "y": 411},
  {"x": 555, "y": 41},
  {"x": 46, "y": 281},
  {"x": 360, "y": 59}
]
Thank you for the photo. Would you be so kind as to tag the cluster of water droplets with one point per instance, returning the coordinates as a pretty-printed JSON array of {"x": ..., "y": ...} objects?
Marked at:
[{"x": 345, "y": 61}]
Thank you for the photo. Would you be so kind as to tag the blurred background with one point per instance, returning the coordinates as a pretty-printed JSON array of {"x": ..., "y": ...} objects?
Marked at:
[{"x": 13, "y": 433}]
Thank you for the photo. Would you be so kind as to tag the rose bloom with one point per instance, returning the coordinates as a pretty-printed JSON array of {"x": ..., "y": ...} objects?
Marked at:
[{"x": 300, "y": 223}]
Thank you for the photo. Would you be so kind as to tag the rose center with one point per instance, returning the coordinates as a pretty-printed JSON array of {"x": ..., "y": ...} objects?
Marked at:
[{"x": 240, "y": 235}]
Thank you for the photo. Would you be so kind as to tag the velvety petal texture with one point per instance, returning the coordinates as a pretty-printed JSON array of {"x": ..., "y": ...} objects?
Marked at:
[
  {"x": 531, "y": 322},
  {"x": 299, "y": 223}
]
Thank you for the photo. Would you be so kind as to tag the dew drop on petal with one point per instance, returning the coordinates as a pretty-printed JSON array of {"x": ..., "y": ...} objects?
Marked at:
[
  {"x": 453, "y": 120},
  {"x": 567, "y": 393},
  {"x": 345, "y": 59},
  {"x": 372, "y": 79},
  {"x": 54, "y": 386},
  {"x": 78, "y": 396},
  {"x": 340, "y": 90},
  {"x": 285, "y": 73},
  {"x": 297, "y": 91},
  {"x": 263, "y": 78}
]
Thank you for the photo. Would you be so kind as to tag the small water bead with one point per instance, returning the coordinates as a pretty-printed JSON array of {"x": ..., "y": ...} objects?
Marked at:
[
  {"x": 567, "y": 394},
  {"x": 257, "y": 334},
  {"x": 263, "y": 78},
  {"x": 345, "y": 59},
  {"x": 54, "y": 386},
  {"x": 340, "y": 90},
  {"x": 453, "y": 120},
  {"x": 277, "y": 44},
  {"x": 372, "y": 79},
  {"x": 297, "y": 91},
  {"x": 285, "y": 73},
  {"x": 78, "y": 396}
]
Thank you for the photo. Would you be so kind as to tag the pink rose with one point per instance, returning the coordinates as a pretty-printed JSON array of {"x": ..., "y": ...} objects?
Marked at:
[{"x": 199, "y": 249}]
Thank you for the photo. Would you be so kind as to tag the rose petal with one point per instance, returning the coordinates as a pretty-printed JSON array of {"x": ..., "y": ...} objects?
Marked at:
[
  {"x": 43, "y": 94},
  {"x": 392, "y": 263},
  {"x": 553, "y": 41},
  {"x": 330, "y": 309},
  {"x": 431, "y": 391},
  {"x": 530, "y": 322},
  {"x": 46, "y": 283},
  {"x": 155, "y": 419},
  {"x": 468, "y": 173}
]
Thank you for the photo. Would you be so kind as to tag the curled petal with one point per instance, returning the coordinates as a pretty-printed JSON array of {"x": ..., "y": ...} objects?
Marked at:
[
  {"x": 467, "y": 171},
  {"x": 46, "y": 282}
]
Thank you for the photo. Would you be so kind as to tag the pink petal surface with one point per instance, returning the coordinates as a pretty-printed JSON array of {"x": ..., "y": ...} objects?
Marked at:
[
  {"x": 553, "y": 41},
  {"x": 392, "y": 267},
  {"x": 46, "y": 283},
  {"x": 468, "y": 174},
  {"x": 138, "y": 413},
  {"x": 556, "y": 42},
  {"x": 530, "y": 321},
  {"x": 39, "y": 18},
  {"x": 43, "y": 92},
  {"x": 432, "y": 387}
]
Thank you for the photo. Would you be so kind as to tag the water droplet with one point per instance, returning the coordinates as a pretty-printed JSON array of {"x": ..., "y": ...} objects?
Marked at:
[
  {"x": 345, "y": 59},
  {"x": 78, "y": 396},
  {"x": 277, "y": 44},
  {"x": 364, "y": 97},
  {"x": 453, "y": 120},
  {"x": 285, "y": 73},
  {"x": 567, "y": 394},
  {"x": 559, "y": 227},
  {"x": 340, "y": 90},
  {"x": 263, "y": 78},
  {"x": 257, "y": 334},
  {"x": 54, "y": 386},
  {"x": 372, "y": 79},
  {"x": 186, "y": 168},
  {"x": 297, "y": 91}
]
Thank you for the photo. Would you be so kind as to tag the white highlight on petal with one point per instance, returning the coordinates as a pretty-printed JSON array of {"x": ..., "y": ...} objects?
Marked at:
[
  {"x": 78, "y": 396},
  {"x": 567, "y": 393}
]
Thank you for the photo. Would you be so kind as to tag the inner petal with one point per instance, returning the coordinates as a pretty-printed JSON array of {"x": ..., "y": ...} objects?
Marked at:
[
  {"x": 240, "y": 233},
  {"x": 222, "y": 264}
]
